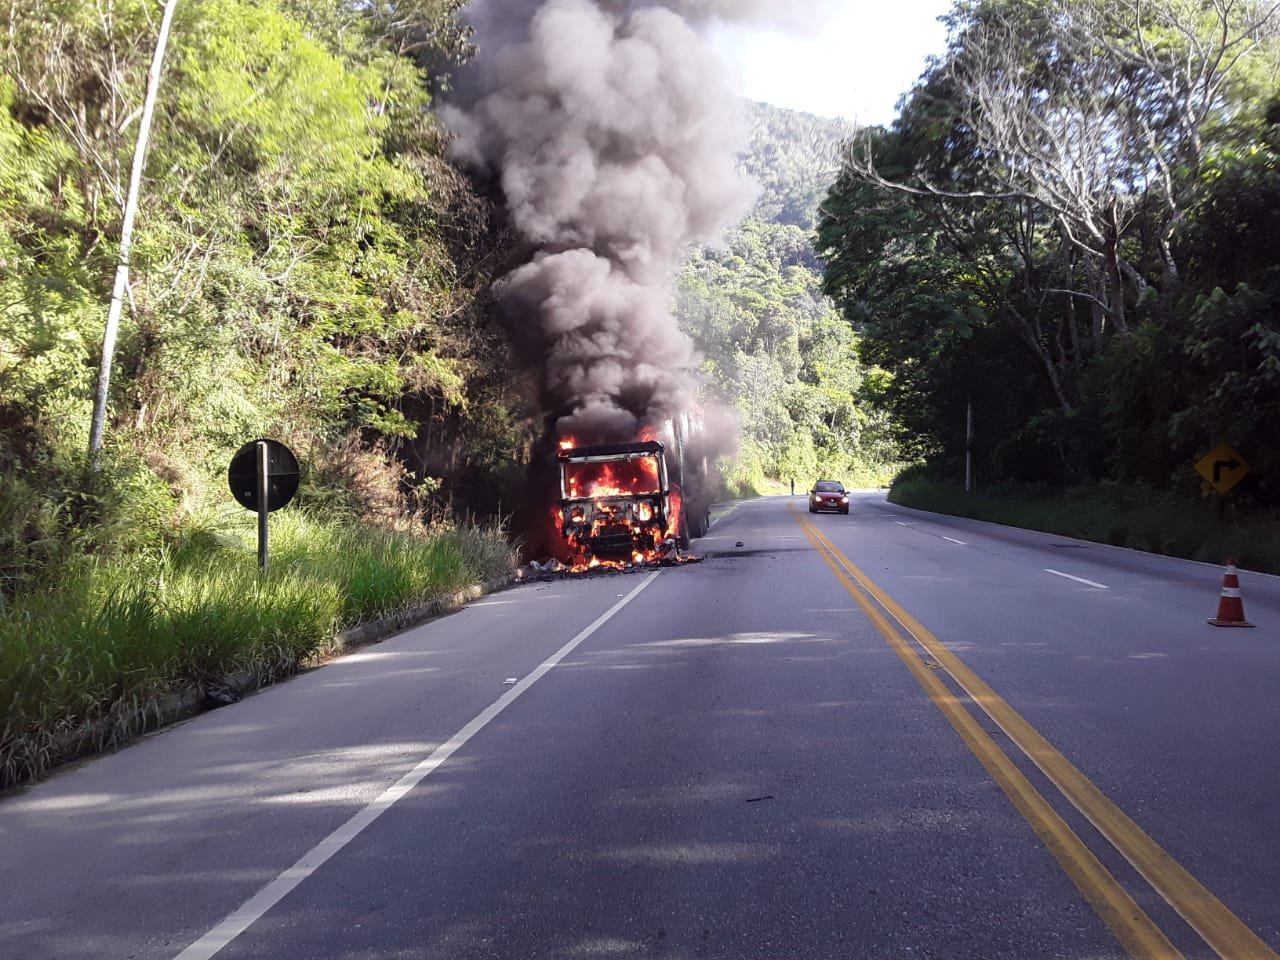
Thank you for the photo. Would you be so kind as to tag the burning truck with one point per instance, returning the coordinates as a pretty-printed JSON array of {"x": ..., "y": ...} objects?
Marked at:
[{"x": 639, "y": 502}]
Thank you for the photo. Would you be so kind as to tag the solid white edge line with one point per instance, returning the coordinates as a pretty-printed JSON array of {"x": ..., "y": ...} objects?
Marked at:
[
  {"x": 954, "y": 540},
  {"x": 1090, "y": 583},
  {"x": 275, "y": 891}
]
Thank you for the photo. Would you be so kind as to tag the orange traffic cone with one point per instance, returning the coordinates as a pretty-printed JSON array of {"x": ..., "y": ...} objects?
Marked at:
[{"x": 1230, "y": 605}]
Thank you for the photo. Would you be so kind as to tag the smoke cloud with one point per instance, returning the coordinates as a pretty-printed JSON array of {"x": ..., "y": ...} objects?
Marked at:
[
  {"x": 506, "y": 21},
  {"x": 613, "y": 133}
]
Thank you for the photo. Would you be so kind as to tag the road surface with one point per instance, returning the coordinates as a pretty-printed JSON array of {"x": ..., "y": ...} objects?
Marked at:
[{"x": 883, "y": 735}]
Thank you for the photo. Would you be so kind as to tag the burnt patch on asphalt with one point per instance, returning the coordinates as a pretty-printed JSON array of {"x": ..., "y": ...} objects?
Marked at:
[{"x": 737, "y": 554}]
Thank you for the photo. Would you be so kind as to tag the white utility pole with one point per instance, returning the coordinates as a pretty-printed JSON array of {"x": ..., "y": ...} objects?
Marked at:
[
  {"x": 968, "y": 449},
  {"x": 121, "y": 286}
]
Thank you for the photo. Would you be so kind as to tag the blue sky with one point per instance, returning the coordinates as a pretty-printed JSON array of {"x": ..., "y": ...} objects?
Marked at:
[{"x": 855, "y": 64}]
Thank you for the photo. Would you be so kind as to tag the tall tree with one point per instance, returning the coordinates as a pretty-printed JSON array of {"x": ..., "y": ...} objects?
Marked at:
[
  {"x": 1091, "y": 111},
  {"x": 1055, "y": 156}
]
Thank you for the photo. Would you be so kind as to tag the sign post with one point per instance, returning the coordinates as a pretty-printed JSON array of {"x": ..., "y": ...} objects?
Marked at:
[
  {"x": 263, "y": 477},
  {"x": 264, "y": 482}
]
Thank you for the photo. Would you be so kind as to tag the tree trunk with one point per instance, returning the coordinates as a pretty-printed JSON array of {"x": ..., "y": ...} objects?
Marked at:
[
  {"x": 1097, "y": 293},
  {"x": 1024, "y": 330},
  {"x": 1115, "y": 275}
]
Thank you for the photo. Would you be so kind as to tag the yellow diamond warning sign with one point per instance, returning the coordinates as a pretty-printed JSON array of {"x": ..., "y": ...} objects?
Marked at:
[{"x": 1222, "y": 467}]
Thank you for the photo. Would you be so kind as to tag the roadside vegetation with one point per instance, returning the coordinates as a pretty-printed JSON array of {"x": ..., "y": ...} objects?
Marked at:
[
  {"x": 306, "y": 266},
  {"x": 86, "y": 658},
  {"x": 1124, "y": 515}
]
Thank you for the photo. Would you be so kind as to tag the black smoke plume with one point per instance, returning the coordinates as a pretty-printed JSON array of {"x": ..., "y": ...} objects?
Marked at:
[{"x": 613, "y": 134}]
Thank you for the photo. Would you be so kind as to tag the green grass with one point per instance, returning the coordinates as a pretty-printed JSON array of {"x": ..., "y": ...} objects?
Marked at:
[
  {"x": 95, "y": 650},
  {"x": 1122, "y": 515}
]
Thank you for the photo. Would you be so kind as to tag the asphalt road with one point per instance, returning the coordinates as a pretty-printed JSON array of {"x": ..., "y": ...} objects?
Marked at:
[{"x": 1040, "y": 750}]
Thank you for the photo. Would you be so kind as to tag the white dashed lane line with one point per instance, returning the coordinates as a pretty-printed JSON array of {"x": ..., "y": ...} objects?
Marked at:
[
  {"x": 1088, "y": 583},
  {"x": 954, "y": 540}
]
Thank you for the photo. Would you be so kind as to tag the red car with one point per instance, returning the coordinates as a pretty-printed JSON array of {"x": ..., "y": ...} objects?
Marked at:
[{"x": 828, "y": 495}]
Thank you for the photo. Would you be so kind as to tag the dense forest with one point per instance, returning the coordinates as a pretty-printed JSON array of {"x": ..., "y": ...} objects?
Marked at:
[
  {"x": 1071, "y": 226},
  {"x": 311, "y": 265},
  {"x": 307, "y": 266},
  {"x": 1068, "y": 229},
  {"x": 345, "y": 241},
  {"x": 327, "y": 250},
  {"x": 772, "y": 342}
]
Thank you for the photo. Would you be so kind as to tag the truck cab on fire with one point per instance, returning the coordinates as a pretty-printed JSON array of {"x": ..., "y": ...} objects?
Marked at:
[{"x": 617, "y": 503}]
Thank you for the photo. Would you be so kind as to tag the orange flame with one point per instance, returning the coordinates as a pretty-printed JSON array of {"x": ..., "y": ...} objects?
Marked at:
[
  {"x": 636, "y": 478},
  {"x": 616, "y": 479},
  {"x": 677, "y": 512}
]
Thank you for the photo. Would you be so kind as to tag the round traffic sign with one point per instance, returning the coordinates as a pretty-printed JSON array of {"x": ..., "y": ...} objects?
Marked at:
[{"x": 282, "y": 475}]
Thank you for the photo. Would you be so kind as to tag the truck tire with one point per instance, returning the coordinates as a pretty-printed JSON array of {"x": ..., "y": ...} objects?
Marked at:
[
  {"x": 683, "y": 539},
  {"x": 698, "y": 523}
]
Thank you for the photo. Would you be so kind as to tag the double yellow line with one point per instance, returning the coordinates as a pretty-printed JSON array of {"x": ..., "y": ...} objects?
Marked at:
[{"x": 1137, "y": 933}]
